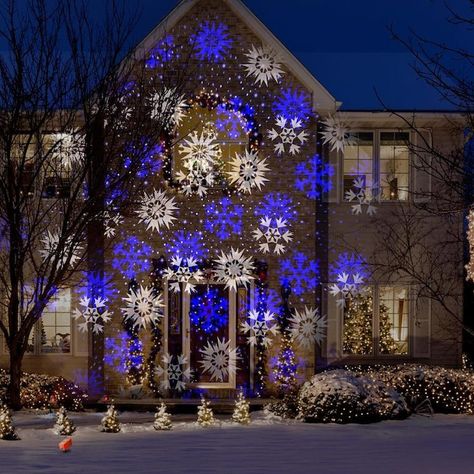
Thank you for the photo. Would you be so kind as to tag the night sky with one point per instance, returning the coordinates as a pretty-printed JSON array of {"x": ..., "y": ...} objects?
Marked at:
[{"x": 346, "y": 44}]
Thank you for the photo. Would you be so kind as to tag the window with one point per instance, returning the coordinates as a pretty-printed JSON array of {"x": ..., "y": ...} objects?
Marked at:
[
  {"x": 24, "y": 153},
  {"x": 378, "y": 159},
  {"x": 376, "y": 322},
  {"x": 394, "y": 153}
]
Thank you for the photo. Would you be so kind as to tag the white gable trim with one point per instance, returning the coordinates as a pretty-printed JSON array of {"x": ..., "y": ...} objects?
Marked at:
[{"x": 323, "y": 101}]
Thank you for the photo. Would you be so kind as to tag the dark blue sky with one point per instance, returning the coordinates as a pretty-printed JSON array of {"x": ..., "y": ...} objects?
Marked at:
[{"x": 346, "y": 45}]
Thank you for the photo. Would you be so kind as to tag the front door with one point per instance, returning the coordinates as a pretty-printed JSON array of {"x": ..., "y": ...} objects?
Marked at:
[{"x": 209, "y": 335}]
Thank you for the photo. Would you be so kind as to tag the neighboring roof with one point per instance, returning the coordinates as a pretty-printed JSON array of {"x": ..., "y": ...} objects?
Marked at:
[{"x": 323, "y": 101}]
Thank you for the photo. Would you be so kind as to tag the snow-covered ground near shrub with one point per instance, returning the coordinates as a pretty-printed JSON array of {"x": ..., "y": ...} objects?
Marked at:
[{"x": 440, "y": 444}]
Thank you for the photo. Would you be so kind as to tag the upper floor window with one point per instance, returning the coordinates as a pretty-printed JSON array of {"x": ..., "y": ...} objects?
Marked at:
[
  {"x": 394, "y": 163},
  {"x": 358, "y": 161}
]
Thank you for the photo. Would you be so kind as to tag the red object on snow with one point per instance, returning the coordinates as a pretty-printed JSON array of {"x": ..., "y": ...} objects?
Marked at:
[{"x": 65, "y": 445}]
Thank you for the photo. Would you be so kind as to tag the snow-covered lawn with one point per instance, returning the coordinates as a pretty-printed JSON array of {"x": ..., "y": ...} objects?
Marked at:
[{"x": 441, "y": 444}]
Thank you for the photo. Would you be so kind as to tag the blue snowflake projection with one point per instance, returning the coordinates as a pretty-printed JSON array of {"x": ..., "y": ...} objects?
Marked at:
[
  {"x": 224, "y": 218},
  {"x": 314, "y": 177},
  {"x": 89, "y": 381},
  {"x": 151, "y": 160},
  {"x": 131, "y": 257},
  {"x": 209, "y": 311},
  {"x": 300, "y": 272},
  {"x": 162, "y": 53},
  {"x": 277, "y": 206},
  {"x": 187, "y": 244},
  {"x": 231, "y": 122},
  {"x": 98, "y": 284},
  {"x": 116, "y": 349},
  {"x": 293, "y": 103},
  {"x": 351, "y": 265},
  {"x": 212, "y": 41}
]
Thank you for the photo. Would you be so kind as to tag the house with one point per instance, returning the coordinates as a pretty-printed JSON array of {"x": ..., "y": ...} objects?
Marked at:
[{"x": 263, "y": 195}]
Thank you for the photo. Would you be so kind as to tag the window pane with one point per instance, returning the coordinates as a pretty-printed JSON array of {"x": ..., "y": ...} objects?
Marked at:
[
  {"x": 55, "y": 324},
  {"x": 358, "y": 334},
  {"x": 393, "y": 320},
  {"x": 358, "y": 163},
  {"x": 394, "y": 155}
]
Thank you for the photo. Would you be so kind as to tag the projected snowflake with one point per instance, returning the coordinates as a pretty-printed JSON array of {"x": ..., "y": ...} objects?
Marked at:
[
  {"x": 97, "y": 284},
  {"x": 230, "y": 121},
  {"x": 162, "y": 53},
  {"x": 209, "y": 311},
  {"x": 115, "y": 354},
  {"x": 150, "y": 159},
  {"x": 277, "y": 206},
  {"x": 174, "y": 372},
  {"x": 212, "y": 42},
  {"x": 187, "y": 244},
  {"x": 300, "y": 272},
  {"x": 224, "y": 218},
  {"x": 131, "y": 257},
  {"x": 314, "y": 177},
  {"x": 293, "y": 103}
]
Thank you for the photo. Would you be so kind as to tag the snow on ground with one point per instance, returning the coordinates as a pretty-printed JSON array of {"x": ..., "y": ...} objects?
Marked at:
[{"x": 441, "y": 444}]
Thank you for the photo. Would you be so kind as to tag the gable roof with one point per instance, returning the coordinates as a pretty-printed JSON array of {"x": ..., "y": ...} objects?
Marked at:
[{"x": 323, "y": 101}]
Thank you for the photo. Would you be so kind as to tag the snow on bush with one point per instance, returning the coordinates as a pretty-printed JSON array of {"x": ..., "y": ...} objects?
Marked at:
[
  {"x": 45, "y": 391},
  {"x": 342, "y": 396}
]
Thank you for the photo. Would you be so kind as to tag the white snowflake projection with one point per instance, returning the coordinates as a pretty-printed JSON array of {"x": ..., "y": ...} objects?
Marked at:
[
  {"x": 234, "y": 269},
  {"x": 248, "y": 171},
  {"x": 174, "y": 372},
  {"x": 219, "y": 360},
  {"x": 288, "y": 137},
  {"x": 183, "y": 270},
  {"x": 263, "y": 64},
  {"x": 156, "y": 210},
  {"x": 260, "y": 327},
  {"x": 94, "y": 314},
  {"x": 308, "y": 327},
  {"x": 112, "y": 221},
  {"x": 196, "y": 181},
  {"x": 68, "y": 148},
  {"x": 69, "y": 253},
  {"x": 168, "y": 107},
  {"x": 346, "y": 287},
  {"x": 363, "y": 198},
  {"x": 143, "y": 307},
  {"x": 272, "y": 235},
  {"x": 336, "y": 133}
]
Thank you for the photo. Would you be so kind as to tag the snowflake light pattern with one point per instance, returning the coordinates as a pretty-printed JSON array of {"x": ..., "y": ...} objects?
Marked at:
[
  {"x": 336, "y": 134},
  {"x": 156, "y": 210},
  {"x": 277, "y": 206},
  {"x": 209, "y": 311},
  {"x": 363, "y": 198},
  {"x": 168, "y": 107},
  {"x": 234, "y": 269},
  {"x": 94, "y": 314},
  {"x": 230, "y": 121},
  {"x": 174, "y": 372},
  {"x": 350, "y": 274},
  {"x": 97, "y": 284},
  {"x": 212, "y": 42},
  {"x": 187, "y": 245},
  {"x": 185, "y": 271},
  {"x": 300, "y": 272},
  {"x": 288, "y": 137},
  {"x": 272, "y": 235},
  {"x": 162, "y": 53},
  {"x": 314, "y": 177},
  {"x": 142, "y": 307},
  {"x": 68, "y": 148},
  {"x": 308, "y": 327},
  {"x": 112, "y": 222},
  {"x": 263, "y": 64},
  {"x": 131, "y": 257},
  {"x": 260, "y": 327},
  {"x": 293, "y": 103},
  {"x": 248, "y": 171},
  {"x": 150, "y": 156},
  {"x": 69, "y": 254},
  {"x": 116, "y": 349},
  {"x": 224, "y": 218},
  {"x": 219, "y": 360}
]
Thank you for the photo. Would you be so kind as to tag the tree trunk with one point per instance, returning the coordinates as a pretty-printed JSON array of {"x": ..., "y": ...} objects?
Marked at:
[{"x": 13, "y": 392}]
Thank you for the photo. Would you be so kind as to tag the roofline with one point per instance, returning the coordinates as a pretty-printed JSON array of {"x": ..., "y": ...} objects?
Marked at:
[{"x": 323, "y": 101}]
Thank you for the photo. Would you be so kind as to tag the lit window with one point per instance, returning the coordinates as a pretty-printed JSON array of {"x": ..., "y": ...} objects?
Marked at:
[
  {"x": 393, "y": 317},
  {"x": 358, "y": 162},
  {"x": 394, "y": 163}
]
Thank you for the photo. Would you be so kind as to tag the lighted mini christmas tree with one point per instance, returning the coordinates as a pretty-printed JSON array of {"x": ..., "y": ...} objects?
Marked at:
[
  {"x": 241, "y": 411},
  {"x": 358, "y": 338},
  {"x": 64, "y": 426},
  {"x": 110, "y": 422},
  {"x": 7, "y": 430},
  {"x": 205, "y": 414},
  {"x": 162, "y": 419}
]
